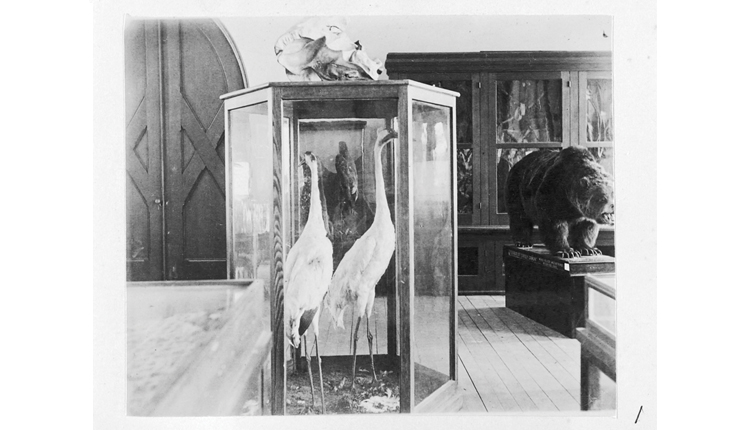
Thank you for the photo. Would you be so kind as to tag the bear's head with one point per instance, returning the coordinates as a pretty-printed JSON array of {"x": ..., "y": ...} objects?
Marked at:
[{"x": 596, "y": 198}]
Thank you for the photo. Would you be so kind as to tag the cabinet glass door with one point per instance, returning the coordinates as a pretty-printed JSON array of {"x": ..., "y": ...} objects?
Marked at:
[
  {"x": 529, "y": 112},
  {"x": 595, "y": 116}
]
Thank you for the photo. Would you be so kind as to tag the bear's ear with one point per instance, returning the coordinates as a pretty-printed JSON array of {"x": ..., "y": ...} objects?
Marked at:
[{"x": 584, "y": 182}]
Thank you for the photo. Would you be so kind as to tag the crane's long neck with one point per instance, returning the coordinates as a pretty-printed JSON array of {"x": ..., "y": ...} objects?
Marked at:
[
  {"x": 381, "y": 195},
  {"x": 315, "y": 217}
]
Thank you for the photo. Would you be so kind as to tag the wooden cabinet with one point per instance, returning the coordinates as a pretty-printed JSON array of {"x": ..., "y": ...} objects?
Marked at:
[{"x": 510, "y": 104}]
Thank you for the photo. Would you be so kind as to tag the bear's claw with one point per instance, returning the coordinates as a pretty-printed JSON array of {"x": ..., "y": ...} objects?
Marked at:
[
  {"x": 568, "y": 253},
  {"x": 590, "y": 251}
]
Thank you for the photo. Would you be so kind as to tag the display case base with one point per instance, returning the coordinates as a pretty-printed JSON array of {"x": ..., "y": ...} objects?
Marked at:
[{"x": 549, "y": 289}]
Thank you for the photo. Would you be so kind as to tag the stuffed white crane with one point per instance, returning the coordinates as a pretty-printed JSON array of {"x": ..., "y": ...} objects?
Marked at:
[
  {"x": 365, "y": 263},
  {"x": 307, "y": 275}
]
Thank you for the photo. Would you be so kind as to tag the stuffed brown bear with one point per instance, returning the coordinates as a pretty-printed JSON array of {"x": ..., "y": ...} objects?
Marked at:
[{"x": 567, "y": 194}]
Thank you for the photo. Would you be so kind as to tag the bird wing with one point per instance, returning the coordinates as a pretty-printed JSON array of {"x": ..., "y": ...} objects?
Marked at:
[
  {"x": 307, "y": 275},
  {"x": 346, "y": 281},
  {"x": 306, "y": 319},
  {"x": 289, "y": 265}
]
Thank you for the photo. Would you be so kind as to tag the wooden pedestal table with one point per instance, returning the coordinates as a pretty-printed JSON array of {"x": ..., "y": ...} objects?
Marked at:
[{"x": 549, "y": 289}]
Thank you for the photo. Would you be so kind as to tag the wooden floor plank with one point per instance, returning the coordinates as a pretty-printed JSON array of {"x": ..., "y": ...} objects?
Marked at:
[
  {"x": 542, "y": 387},
  {"x": 521, "y": 329},
  {"x": 553, "y": 350},
  {"x": 568, "y": 346},
  {"x": 511, "y": 394},
  {"x": 562, "y": 348},
  {"x": 513, "y": 361},
  {"x": 507, "y": 389},
  {"x": 470, "y": 397},
  {"x": 482, "y": 375},
  {"x": 528, "y": 353},
  {"x": 491, "y": 389},
  {"x": 540, "y": 329},
  {"x": 508, "y": 360}
]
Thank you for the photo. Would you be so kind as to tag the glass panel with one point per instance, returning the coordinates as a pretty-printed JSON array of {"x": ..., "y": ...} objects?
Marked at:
[
  {"x": 356, "y": 187},
  {"x": 529, "y": 111},
  {"x": 506, "y": 158},
  {"x": 604, "y": 157},
  {"x": 463, "y": 107},
  {"x": 175, "y": 332},
  {"x": 464, "y": 181},
  {"x": 601, "y": 308},
  {"x": 599, "y": 110},
  {"x": 251, "y": 179},
  {"x": 468, "y": 261},
  {"x": 251, "y": 216},
  {"x": 603, "y": 391},
  {"x": 433, "y": 246}
]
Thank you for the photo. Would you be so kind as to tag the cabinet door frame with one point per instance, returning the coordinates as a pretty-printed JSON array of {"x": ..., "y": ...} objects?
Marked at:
[
  {"x": 480, "y": 190},
  {"x": 579, "y": 107},
  {"x": 489, "y": 134}
]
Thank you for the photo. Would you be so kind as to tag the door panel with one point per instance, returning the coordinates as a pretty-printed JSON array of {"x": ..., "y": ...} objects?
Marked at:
[
  {"x": 199, "y": 68},
  {"x": 143, "y": 152},
  {"x": 175, "y": 73}
]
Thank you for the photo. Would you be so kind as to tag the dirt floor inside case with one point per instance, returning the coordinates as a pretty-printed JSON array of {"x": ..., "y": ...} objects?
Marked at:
[{"x": 381, "y": 396}]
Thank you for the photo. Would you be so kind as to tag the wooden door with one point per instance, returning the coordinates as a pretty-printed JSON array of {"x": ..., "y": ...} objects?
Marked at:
[
  {"x": 143, "y": 152},
  {"x": 176, "y": 71}
]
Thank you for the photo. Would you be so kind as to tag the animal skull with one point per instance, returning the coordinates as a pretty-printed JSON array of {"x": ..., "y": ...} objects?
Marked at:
[{"x": 320, "y": 50}]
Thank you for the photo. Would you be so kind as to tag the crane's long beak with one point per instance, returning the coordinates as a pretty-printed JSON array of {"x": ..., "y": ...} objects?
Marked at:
[{"x": 294, "y": 342}]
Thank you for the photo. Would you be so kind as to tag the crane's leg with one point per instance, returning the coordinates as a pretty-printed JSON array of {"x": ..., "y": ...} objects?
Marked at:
[
  {"x": 356, "y": 338},
  {"x": 370, "y": 338},
  {"x": 294, "y": 357},
  {"x": 320, "y": 374},
  {"x": 310, "y": 370}
]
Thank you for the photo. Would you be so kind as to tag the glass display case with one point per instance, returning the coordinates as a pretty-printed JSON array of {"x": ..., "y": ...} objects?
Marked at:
[
  {"x": 601, "y": 310},
  {"x": 379, "y": 160},
  {"x": 598, "y": 338},
  {"x": 198, "y": 348}
]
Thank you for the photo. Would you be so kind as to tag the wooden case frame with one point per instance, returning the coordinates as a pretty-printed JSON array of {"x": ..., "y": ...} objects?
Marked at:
[{"x": 400, "y": 333}]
